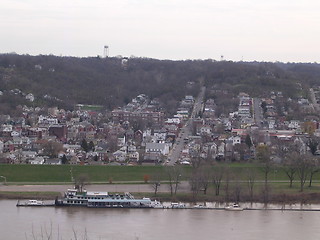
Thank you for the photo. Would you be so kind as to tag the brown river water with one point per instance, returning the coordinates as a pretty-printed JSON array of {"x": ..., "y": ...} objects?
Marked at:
[{"x": 156, "y": 224}]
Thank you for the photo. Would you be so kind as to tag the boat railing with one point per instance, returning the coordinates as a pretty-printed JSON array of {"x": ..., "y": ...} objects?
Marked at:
[{"x": 129, "y": 195}]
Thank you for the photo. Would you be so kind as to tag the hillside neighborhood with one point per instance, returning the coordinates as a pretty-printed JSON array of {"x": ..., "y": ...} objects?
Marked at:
[{"x": 141, "y": 132}]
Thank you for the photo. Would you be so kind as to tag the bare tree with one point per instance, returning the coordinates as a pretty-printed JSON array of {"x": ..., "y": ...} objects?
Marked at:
[
  {"x": 52, "y": 148},
  {"x": 80, "y": 181},
  {"x": 195, "y": 184},
  {"x": 251, "y": 178},
  {"x": 237, "y": 191},
  {"x": 290, "y": 165},
  {"x": 264, "y": 157},
  {"x": 303, "y": 170},
  {"x": 217, "y": 178},
  {"x": 174, "y": 175},
  {"x": 313, "y": 143},
  {"x": 196, "y": 161},
  {"x": 228, "y": 178},
  {"x": 206, "y": 172},
  {"x": 315, "y": 168},
  {"x": 155, "y": 181}
]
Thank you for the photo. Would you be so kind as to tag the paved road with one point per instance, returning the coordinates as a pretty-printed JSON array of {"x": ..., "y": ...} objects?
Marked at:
[
  {"x": 186, "y": 130},
  {"x": 183, "y": 187},
  {"x": 257, "y": 112}
]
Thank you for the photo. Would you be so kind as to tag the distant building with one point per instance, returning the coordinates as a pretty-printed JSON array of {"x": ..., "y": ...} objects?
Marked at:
[{"x": 30, "y": 97}]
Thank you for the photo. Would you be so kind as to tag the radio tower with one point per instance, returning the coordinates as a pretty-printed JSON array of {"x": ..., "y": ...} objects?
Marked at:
[{"x": 106, "y": 51}]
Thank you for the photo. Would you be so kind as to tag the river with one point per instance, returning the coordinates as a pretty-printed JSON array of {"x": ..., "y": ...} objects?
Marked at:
[{"x": 156, "y": 224}]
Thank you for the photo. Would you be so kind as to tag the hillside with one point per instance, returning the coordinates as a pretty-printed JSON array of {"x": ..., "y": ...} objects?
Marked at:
[{"x": 66, "y": 81}]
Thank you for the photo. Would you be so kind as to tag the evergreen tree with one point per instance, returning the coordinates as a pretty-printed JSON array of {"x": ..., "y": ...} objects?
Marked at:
[
  {"x": 248, "y": 141},
  {"x": 91, "y": 146},
  {"x": 84, "y": 145},
  {"x": 64, "y": 159}
]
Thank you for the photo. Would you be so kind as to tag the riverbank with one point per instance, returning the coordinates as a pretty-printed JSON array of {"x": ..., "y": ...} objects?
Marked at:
[
  {"x": 29, "y": 195},
  {"x": 282, "y": 198}
]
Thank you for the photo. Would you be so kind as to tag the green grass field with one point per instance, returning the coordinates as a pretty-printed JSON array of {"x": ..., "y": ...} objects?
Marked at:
[
  {"x": 63, "y": 173},
  {"x": 103, "y": 174}
]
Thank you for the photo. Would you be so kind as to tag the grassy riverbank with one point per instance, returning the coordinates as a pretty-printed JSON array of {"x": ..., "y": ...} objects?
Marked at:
[
  {"x": 278, "y": 190},
  {"x": 29, "y": 195},
  {"x": 277, "y": 198},
  {"x": 277, "y": 193}
]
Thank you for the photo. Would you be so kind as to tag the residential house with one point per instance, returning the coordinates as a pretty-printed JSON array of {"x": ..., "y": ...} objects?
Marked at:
[
  {"x": 235, "y": 140},
  {"x": 119, "y": 156},
  {"x": 162, "y": 148},
  {"x": 56, "y": 161},
  {"x": 37, "y": 161}
]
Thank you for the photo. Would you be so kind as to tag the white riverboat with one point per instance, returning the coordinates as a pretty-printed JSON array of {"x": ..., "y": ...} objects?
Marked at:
[{"x": 103, "y": 200}]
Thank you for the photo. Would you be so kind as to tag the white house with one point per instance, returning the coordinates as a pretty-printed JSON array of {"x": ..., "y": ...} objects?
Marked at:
[
  {"x": 47, "y": 120},
  {"x": 294, "y": 124},
  {"x": 134, "y": 156},
  {"x": 30, "y": 97},
  {"x": 15, "y": 134},
  {"x": 160, "y": 135},
  {"x": 37, "y": 161},
  {"x": 53, "y": 162},
  {"x": 235, "y": 140},
  {"x": 29, "y": 154},
  {"x": 205, "y": 130},
  {"x": 162, "y": 148},
  {"x": 119, "y": 156},
  {"x": 175, "y": 121}
]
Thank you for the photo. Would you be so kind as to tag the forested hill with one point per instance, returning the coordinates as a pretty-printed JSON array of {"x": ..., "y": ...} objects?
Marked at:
[
  {"x": 65, "y": 81},
  {"x": 94, "y": 80}
]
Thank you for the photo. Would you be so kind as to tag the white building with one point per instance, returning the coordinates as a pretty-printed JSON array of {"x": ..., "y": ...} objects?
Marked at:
[
  {"x": 235, "y": 140},
  {"x": 30, "y": 97},
  {"x": 162, "y": 148}
]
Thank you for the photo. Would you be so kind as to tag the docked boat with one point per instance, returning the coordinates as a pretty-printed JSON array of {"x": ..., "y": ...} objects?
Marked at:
[
  {"x": 178, "y": 205},
  {"x": 199, "y": 206},
  {"x": 102, "y": 200},
  {"x": 32, "y": 203},
  {"x": 157, "y": 204},
  {"x": 234, "y": 207}
]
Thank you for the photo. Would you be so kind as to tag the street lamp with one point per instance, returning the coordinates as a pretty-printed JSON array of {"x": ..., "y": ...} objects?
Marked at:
[{"x": 5, "y": 180}]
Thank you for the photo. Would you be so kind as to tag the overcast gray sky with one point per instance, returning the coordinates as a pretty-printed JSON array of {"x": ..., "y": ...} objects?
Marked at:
[{"x": 262, "y": 30}]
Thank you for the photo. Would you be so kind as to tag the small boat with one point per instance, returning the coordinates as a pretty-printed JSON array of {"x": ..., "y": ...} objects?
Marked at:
[
  {"x": 234, "y": 207},
  {"x": 178, "y": 205},
  {"x": 199, "y": 206}
]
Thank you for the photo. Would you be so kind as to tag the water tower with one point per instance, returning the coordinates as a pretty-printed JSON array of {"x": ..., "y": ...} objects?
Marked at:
[{"x": 106, "y": 51}]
